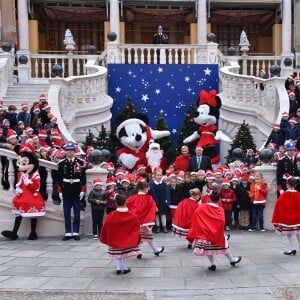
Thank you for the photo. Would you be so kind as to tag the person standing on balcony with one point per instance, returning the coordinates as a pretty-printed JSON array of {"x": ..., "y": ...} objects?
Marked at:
[
  {"x": 71, "y": 189},
  {"x": 158, "y": 39}
]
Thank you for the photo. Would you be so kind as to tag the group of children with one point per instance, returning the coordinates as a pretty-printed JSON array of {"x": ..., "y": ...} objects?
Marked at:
[{"x": 179, "y": 198}]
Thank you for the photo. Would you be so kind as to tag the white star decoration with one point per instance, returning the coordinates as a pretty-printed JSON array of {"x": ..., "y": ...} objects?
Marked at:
[
  {"x": 157, "y": 91},
  {"x": 186, "y": 79},
  {"x": 207, "y": 71},
  {"x": 145, "y": 98},
  {"x": 174, "y": 130},
  {"x": 160, "y": 70},
  {"x": 118, "y": 89}
]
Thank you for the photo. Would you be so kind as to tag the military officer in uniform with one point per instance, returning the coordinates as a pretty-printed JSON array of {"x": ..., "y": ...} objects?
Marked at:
[
  {"x": 287, "y": 166},
  {"x": 71, "y": 189},
  {"x": 159, "y": 38}
]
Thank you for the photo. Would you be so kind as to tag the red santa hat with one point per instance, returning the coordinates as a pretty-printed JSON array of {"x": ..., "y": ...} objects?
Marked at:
[
  {"x": 26, "y": 147},
  {"x": 120, "y": 172},
  {"x": 287, "y": 176},
  {"x": 210, "y": 175},
  {"x": 42, "y": 133},
  {"x": 218, "y": 171},
  {"x": 110, "y": 166},
  {"x": 24, "y": 104},
  {"x": 110, "y": 181},
  {"x": 97, "y": 181},
  {"x": 154, "y": 146},
  {"x": 43, "y": 97},
  {"x": 125, "y": 179},
  {"x": 157, "y": 169},
  {"x": 225, "y": 181},
  {"x": 234, "y": 178},
  {"x": 285, "y": 114},
  {"x": 245, "y": 177},
  {"x": 45, "y": 106},
  {"x": 252, "y": 176},
  {"x": 28, "y": 129},
  {"x": 293, "y": 120},
  {"x": 52, "y": 118},
  {"x": 276, "y": 126},
  {"x": 11, "y": 134},
  {"x": 291, "y": 93},
  {"x": 140, "y": 167},
  {"x": 36, "y": 108},
  {"x": 228, "y": 174}
]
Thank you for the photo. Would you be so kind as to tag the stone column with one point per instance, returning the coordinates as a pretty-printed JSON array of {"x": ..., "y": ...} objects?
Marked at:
[
  {"x": 8, "y": 22},
  {"x": 23, "y": 30},
  {"x": 201, "y": 22},
  {"x": 91, "y": 174},
  {"x": 269, "y": 176},
  {"x": 114, "y": 18},
  {"x": 286, "y": 27}
]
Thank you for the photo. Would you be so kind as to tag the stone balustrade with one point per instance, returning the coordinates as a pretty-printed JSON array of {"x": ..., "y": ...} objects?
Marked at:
[{"x": 81, "y": 103}]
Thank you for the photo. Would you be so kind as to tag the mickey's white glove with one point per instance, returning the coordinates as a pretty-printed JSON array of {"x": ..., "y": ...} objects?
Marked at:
[
  {"x": 60, "y": 196},
  {"x": 19, "y": 191},
  {"x": 81, "y": 195},
  {"x": 25, "y": 178}
]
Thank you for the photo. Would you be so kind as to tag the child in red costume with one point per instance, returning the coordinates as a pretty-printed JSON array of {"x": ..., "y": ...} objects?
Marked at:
[
  {"x": 258, "y": 195},
  {"x": 184, "y": 213},
  {"x": 143, "y": 206},
  {"x": 207, "y": 232},
  {"x": 121, "y": 232},
  {"x": 286, "y": 215}
]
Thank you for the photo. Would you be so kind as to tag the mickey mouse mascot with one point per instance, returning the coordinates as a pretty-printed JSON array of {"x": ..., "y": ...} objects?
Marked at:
[
  {"x": 28, "y": 202},
  {"x": 209, "y": 105},
  {"x": 135, "y": 135}
]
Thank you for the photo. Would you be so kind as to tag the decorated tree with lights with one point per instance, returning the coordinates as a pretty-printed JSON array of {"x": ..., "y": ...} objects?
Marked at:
[
  {"x": 129, "y": 110},
  {"x": 187, "y": 128},
  {"x": 243, "y": 139},
  {"x": 165, "y": 142}
]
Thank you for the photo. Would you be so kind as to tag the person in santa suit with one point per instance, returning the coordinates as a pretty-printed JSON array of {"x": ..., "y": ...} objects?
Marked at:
[
  {"x": 286, "y": 215},
  {"x": 155, "y": 158},
  {"x": 143, "y": 206},
  {"x": 184, "y": 213},
  {"x": 121, "y": 232},
  {"x": 207, "y": 232}
]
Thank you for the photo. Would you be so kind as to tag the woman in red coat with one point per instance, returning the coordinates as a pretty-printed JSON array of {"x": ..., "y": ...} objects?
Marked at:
[
  {"x": 121, "y": 232},
  {"x": 184, "y": 213},
  {"x": 207, "y": 232},
  {"x": 286, "y": 215},
  {"x": 258, "y": 196}
]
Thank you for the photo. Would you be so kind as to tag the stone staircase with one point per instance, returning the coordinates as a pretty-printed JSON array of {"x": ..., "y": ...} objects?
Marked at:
[{"x": 16, "y": 94}]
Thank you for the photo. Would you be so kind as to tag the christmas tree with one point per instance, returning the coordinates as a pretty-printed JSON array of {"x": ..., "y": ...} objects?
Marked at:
[
  {"x": 90, "y": 140},
  {"x": 103, "y": 141},
  {"x": 243, "y": 140},
  {"x": 165, "y": 142},
  {"x": 129, "y": 110},
  {"x": 187, "y": 128}
]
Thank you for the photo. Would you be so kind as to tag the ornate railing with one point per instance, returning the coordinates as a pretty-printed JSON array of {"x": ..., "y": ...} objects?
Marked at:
[
  {"x": 264, "y": 97},
  {"x": 6, "y": 72}
]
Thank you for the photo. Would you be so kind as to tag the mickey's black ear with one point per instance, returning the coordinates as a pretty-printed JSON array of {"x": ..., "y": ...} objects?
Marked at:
[{"x": 142, "y": 117}]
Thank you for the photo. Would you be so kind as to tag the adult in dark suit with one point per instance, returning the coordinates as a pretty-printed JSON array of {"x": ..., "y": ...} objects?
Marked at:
[
  {"x": 199, "y": 161},
  {"x": 158, "y": 39},
  {"x": 71, "y": 188}
]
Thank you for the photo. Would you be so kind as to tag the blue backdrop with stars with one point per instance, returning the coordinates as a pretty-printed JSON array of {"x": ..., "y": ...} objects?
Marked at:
[{"x": 155, "y": 89}]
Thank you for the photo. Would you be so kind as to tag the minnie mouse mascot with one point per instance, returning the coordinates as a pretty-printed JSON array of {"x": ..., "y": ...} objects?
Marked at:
[
  {"x": 28, "y": 202},
  {"x": 208, "y": 115}
]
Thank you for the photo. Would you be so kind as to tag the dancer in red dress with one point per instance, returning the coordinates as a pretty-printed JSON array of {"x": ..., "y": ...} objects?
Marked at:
[
  {"x": 121, "y": 232},
  {"x": 207, "y": 232},
  {"x": 286, "y": 215},
  {"x": 143, "y": 206},
  {"x": 184, "y": 213}
]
